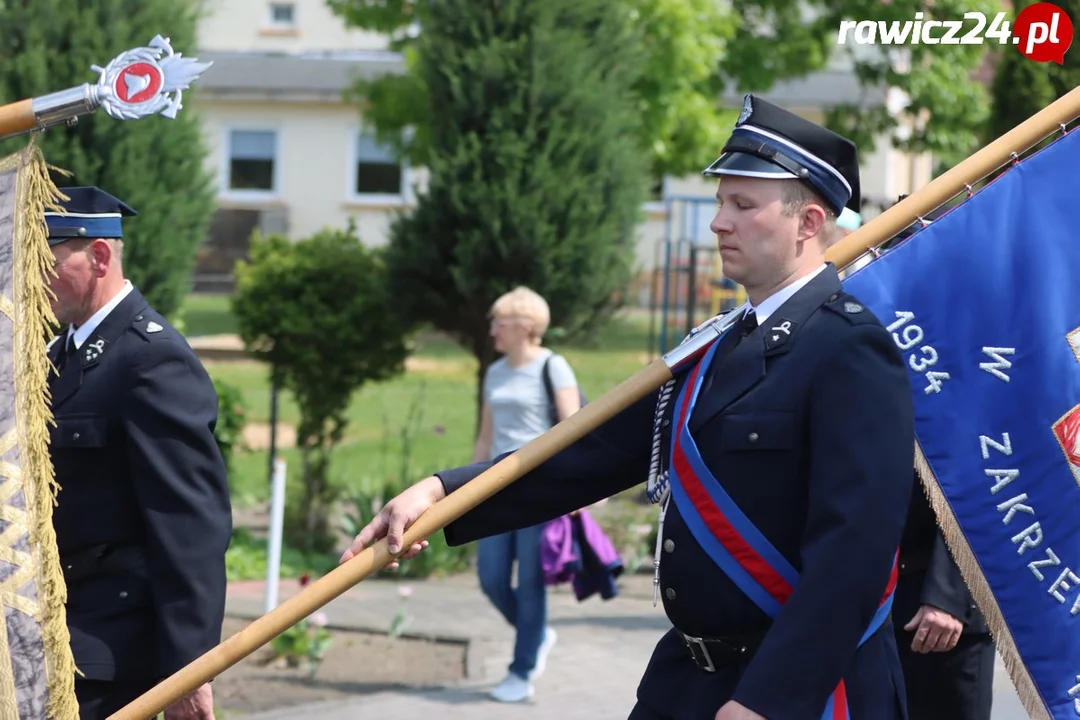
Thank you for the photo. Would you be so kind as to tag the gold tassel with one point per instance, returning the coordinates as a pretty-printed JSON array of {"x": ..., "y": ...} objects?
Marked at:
[
  {"x": 32, "y": 260},
  {"x": 980, "y": 589}
]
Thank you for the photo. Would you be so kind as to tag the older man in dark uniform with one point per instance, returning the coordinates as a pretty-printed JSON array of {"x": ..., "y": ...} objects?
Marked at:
[
  {"x": 143, "y": 516},
  {"x": 788, "y": 447}
]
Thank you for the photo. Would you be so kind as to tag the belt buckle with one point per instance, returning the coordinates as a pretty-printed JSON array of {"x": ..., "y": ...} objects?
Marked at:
[{"x": 699, "y": 644}]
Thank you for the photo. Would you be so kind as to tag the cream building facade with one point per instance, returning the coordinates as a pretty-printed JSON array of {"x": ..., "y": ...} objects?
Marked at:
[{"x": 291, "y": 154}]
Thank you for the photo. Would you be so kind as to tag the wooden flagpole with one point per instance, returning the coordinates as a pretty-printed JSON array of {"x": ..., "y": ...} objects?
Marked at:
[{"x": 650, "y": 379}]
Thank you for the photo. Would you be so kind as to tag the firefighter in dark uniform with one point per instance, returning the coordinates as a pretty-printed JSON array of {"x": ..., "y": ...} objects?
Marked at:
[
  {"x": 788, "y": 451},
  {"x": 143, "y": 517},
  {"x": 945, "y": 645}
]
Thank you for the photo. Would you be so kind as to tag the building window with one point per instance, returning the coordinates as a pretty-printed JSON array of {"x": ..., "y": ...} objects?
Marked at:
[
  {"x": 375, "y": 169},
  {"x": 252, "y": 160},
  {"x": 282, "y": 14}
]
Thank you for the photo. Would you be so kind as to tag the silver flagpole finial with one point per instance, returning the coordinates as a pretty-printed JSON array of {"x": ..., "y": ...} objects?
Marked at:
[
  {"x": 141, "y": 82},
  {"x": 137, "y": 83}
]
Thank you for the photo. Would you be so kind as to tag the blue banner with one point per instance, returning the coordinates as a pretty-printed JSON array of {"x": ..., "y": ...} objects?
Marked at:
[{"x": 984, "y": 304}]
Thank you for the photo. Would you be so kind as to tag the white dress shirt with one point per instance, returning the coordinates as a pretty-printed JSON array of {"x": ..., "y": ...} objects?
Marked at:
[
  {"x": 87, "y": 329},
  {"x": 772, "y": 303}
]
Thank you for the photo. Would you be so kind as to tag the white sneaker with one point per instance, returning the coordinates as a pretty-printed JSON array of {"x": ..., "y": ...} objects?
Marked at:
[
  {"x": 513, "y": 688},
  {"x": 541, "y": 655}
]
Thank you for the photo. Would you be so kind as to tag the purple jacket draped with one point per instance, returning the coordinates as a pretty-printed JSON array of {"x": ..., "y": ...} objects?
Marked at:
[{"x": 576, "y": 550}]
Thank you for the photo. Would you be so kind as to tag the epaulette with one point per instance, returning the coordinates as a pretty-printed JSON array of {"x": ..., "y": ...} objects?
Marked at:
[
  {"x": 849, "y": 308},
  {"x": 147, "y": 327}
]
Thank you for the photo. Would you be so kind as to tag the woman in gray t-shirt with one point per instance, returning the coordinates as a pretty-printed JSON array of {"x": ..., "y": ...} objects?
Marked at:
[{"x": 516, "y": 409}]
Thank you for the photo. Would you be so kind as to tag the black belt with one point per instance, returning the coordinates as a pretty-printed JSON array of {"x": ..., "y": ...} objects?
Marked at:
[
  {"x": 909, "y": 565},
  {"x": 711, "y": 653},
  {"x": 102, "y": 560}
]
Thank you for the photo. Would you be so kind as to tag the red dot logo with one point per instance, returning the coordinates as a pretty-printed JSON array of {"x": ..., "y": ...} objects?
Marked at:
[
  {"x": 138, "y": 83},
  {"x": 1043, "y": 32}
]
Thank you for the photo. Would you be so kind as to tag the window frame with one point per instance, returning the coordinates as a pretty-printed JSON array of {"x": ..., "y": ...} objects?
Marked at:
[
  {"x": 404, "y": 196},
  {"x": 274, "y": 23},
  {"x": 227, "y": 191}
]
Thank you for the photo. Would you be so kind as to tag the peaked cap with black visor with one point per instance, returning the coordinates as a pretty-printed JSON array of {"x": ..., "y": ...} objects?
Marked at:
[
  {"x": 770, "y": 142},
  {"x": 89, "y": 212}
]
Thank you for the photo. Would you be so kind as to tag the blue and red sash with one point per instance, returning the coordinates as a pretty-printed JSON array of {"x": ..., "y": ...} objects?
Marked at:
[{"x": 728, "y": 536}]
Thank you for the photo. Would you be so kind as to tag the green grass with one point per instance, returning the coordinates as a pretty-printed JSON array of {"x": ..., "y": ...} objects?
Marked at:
[
  {"x": 208, "y": 314},
  {"x": 407, "y": 427}
]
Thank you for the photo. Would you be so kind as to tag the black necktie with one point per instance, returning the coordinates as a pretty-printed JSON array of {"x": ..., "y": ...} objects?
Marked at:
[
  {"x": 728, "y": 343},
  {"x": 748, "y": 324},
  {"x": 66, "y": 353},
  {"x": 738, "y": 331}
]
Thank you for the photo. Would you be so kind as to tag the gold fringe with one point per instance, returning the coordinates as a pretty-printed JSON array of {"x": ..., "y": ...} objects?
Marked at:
[
  {"x": 32, "y": 261},
  {"x": 1032, "y": 701}
]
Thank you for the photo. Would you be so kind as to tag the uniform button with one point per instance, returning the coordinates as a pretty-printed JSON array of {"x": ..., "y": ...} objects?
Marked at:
[
  {"x": 75, "y": 436},
  {"x": 752, "y": 437},
  {"x": 669, "y": 546},
  {"x": 665, "y": 423},
  {"x": 670, "y": 593},
  {"x": 138, "y": 318},
  {"x": 123, "y": 593},
  {"x": 903, "y": 566}
]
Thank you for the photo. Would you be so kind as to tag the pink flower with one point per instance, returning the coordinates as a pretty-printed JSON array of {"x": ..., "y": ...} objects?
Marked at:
[
  {"x": 319, "y": 619},
  {"x": 404, "y": 591}
]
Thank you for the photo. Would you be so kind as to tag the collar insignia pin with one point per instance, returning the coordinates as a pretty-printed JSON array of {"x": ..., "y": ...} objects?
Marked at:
[
  {"x": 94, "y": 349},
  {"x": 779, "y": 334},
  {"x": 153, "y": 327}
]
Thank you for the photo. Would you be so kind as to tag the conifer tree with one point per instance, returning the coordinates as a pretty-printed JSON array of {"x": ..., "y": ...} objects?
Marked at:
[{"x": 536, "y": 177}]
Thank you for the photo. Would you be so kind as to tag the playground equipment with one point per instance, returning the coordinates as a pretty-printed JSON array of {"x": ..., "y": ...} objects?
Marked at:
[{"x": 688, "y": 284}]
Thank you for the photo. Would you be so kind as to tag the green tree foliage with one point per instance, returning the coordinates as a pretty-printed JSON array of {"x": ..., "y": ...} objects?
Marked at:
[
  {"x": 1022, "y": 88},
  {"x": 318, "y": 312},
  {"x": 946, "y": 103},
  {"x": 676, "y": 93},
  {"x": 536, "y": 175},
  {"x": 695, "y": 49},
  {"x": 231, "y": 419},
  {"x": 154, "y": 164}
]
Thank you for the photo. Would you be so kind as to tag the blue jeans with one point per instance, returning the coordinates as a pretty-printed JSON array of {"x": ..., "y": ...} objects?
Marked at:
[{"x": 524, "y": 607}]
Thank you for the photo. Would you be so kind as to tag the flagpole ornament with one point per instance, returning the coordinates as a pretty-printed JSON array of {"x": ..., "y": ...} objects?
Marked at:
[
  {"x": 648, "y": 380},
  {"x": 137, "y": 83}
]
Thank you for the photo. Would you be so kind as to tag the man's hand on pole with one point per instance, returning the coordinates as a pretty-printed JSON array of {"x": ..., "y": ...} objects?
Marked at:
[{"x": 396, "y": 517}]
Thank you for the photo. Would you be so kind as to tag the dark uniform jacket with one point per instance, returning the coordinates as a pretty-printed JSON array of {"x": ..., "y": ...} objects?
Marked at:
[
  {"x": 812, "y": 436},
  {"x": 928, "y": 573},
  {"x": 143, "y": 516}
]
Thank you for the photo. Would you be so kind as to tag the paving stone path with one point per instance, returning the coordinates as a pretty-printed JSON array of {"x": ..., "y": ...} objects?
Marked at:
[{"x": 592, "y": 673}]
